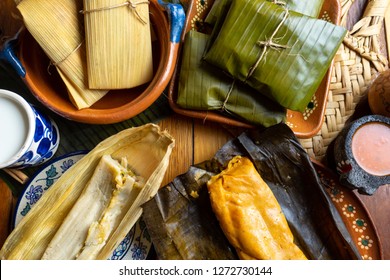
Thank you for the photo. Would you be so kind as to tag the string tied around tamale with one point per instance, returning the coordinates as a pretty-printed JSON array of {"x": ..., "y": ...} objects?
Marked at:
[
  {"x": 223, "y": 107},
  {"x": 56, "y": 63},
  {"x": 279, "y": 2},
  {"x": 130, "y": 4},
  {"x": 268, "y": 44}
]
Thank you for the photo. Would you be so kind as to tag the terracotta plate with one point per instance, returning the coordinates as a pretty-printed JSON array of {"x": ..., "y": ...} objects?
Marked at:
[
  {"x": 353, "y": 213},
  {"x": 304, "y": 125}
]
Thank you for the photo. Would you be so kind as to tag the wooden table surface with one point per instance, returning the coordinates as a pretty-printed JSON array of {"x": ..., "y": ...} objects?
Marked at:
[{"x": 196, "y": 141}]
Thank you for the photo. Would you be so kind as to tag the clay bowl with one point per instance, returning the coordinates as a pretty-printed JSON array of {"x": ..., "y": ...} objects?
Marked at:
[{"x": 116, "y": 105}]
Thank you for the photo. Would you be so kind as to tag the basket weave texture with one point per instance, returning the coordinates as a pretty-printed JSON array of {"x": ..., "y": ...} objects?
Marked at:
[{"x": 357, "y": 63}]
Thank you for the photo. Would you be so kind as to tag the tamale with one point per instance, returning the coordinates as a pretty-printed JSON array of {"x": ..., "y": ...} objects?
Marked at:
[
  {"x": 181, "y": 223},
  {"x": 220, "y": 9},
  {"x": 57, "y": 26},
  {"x": 96, "y": 213},
  {"x": 204, "y": 87},
  {"x": 288, "y": 171},
  {"x": 146, "y": 149},
  {"x": 310, "y": 8},
  {"x": 250, "y": 215},
  {"x": 286, "y": 59},
  {"x": 118, "y": 43}
]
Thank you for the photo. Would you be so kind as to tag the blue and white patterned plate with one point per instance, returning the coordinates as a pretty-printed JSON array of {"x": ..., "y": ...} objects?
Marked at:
[{"x": 136, "y": 244}]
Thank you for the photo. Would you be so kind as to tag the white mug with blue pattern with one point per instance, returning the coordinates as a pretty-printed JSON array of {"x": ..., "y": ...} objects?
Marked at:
[{"x": 27, "y": 136}]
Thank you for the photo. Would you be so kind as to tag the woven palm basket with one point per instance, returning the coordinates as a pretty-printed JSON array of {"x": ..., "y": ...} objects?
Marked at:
[{"x": 359, "y": 60}]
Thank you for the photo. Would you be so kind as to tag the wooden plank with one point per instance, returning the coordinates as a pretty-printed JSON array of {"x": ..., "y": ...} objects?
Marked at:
[
  {"x": 182, "y": 155},
  {"x": 208, "y": 139}
]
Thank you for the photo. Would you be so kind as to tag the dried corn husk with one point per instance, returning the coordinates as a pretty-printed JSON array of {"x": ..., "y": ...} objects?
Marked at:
[
  {"x": 286, "y": 59},
  {"x": 57, "y": 26},
  {"x": 118, "y": 39},
  {"x": 147, "y": 151}
]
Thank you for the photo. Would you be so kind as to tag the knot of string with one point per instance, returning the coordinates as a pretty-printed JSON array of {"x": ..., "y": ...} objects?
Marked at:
[
  {"x": 228, "y": 95},
  {"x": 268, "y": 44},
  {"x": 56, "y": 63},
  {"x": 132, "y": 5}
]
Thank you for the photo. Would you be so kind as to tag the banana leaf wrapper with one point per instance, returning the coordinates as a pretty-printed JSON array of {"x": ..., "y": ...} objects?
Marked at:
[
  {"x": 220, "y": 9},
  {"x": 181, "y": 223},
  {"x": 286, "y": 59},
  {"x": 310, "y": 8},
  {"x": 290, "y": 174},
  {"x": 204, "y": 87}
]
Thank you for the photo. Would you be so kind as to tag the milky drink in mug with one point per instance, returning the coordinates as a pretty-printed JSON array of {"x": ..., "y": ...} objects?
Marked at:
[{"x": 27, "y": 137}]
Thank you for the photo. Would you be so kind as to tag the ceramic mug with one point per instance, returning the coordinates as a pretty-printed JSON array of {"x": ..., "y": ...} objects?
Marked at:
[{"x": 27, "y": 136}]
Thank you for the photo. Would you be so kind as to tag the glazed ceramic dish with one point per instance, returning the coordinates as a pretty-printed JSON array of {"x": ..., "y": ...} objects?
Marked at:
[
  {"x": 136, "y": 244},
  {"x": 353, "y": 213},
  {"x": 117, "y": 105},
  {"x": 304, "y": 125}
]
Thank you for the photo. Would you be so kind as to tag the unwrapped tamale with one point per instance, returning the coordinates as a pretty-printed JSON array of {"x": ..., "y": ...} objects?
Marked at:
[
  {"x": 118, "y": 43},
  {"x": 146, "y": 149},
  {"x": 204, "y": 87},
  {"x": 286, "y": 59},
  {"x": 57, "y": 26},
  {"x": 250, "y": 215}
]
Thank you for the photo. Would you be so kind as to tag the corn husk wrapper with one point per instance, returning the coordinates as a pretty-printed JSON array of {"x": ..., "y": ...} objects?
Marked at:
[
  {"x": 286, "y": 59},
  {"x": 147, "y": 150},
  {"x": 119, "y": 47},
  {"x": 204, "y": 87},
  {"x": 57, "y": 27}
]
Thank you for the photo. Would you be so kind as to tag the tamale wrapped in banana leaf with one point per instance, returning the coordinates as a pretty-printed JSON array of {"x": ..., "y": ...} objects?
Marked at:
[
  {"x": 204, "y": 87},
  {"x": 181, "y": 223},
  {"x": 145, "y": 150},
  {"x": 57, "y": 26},
  {"x": 288, "y": 171},
  {"x": 310, "y": 8},
  {"x": 249, "y": 214},
  {"x": 220, "y": 9},
  {"x": 286, "y": 59}
]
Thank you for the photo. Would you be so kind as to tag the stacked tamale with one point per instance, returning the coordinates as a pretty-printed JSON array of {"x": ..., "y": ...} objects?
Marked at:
[
  {"x": 275, "y": 52},
  {"x": 96, "y": 45}
]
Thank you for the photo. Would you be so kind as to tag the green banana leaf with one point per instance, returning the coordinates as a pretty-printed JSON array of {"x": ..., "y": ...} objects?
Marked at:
[
  {"x": 310, "y": 8},
  {"x": 203, "y": 87},
  {"x": 291, "y": 67},
  {"x": 220, "y": 9},
  {"x": 180, "y": 218}
]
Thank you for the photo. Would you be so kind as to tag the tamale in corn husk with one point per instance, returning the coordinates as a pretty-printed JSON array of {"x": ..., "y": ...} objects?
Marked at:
[
  {"x": 249, "y": 214},
  {"x": 118, "y": 43},
  {"x": 146, "y": 150},
  {"x": 288, "y": 171},
  {"x": 286, "y": 59},
  {"x": 204, "y": 87},
  {"x": 57, "y": 26}
]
